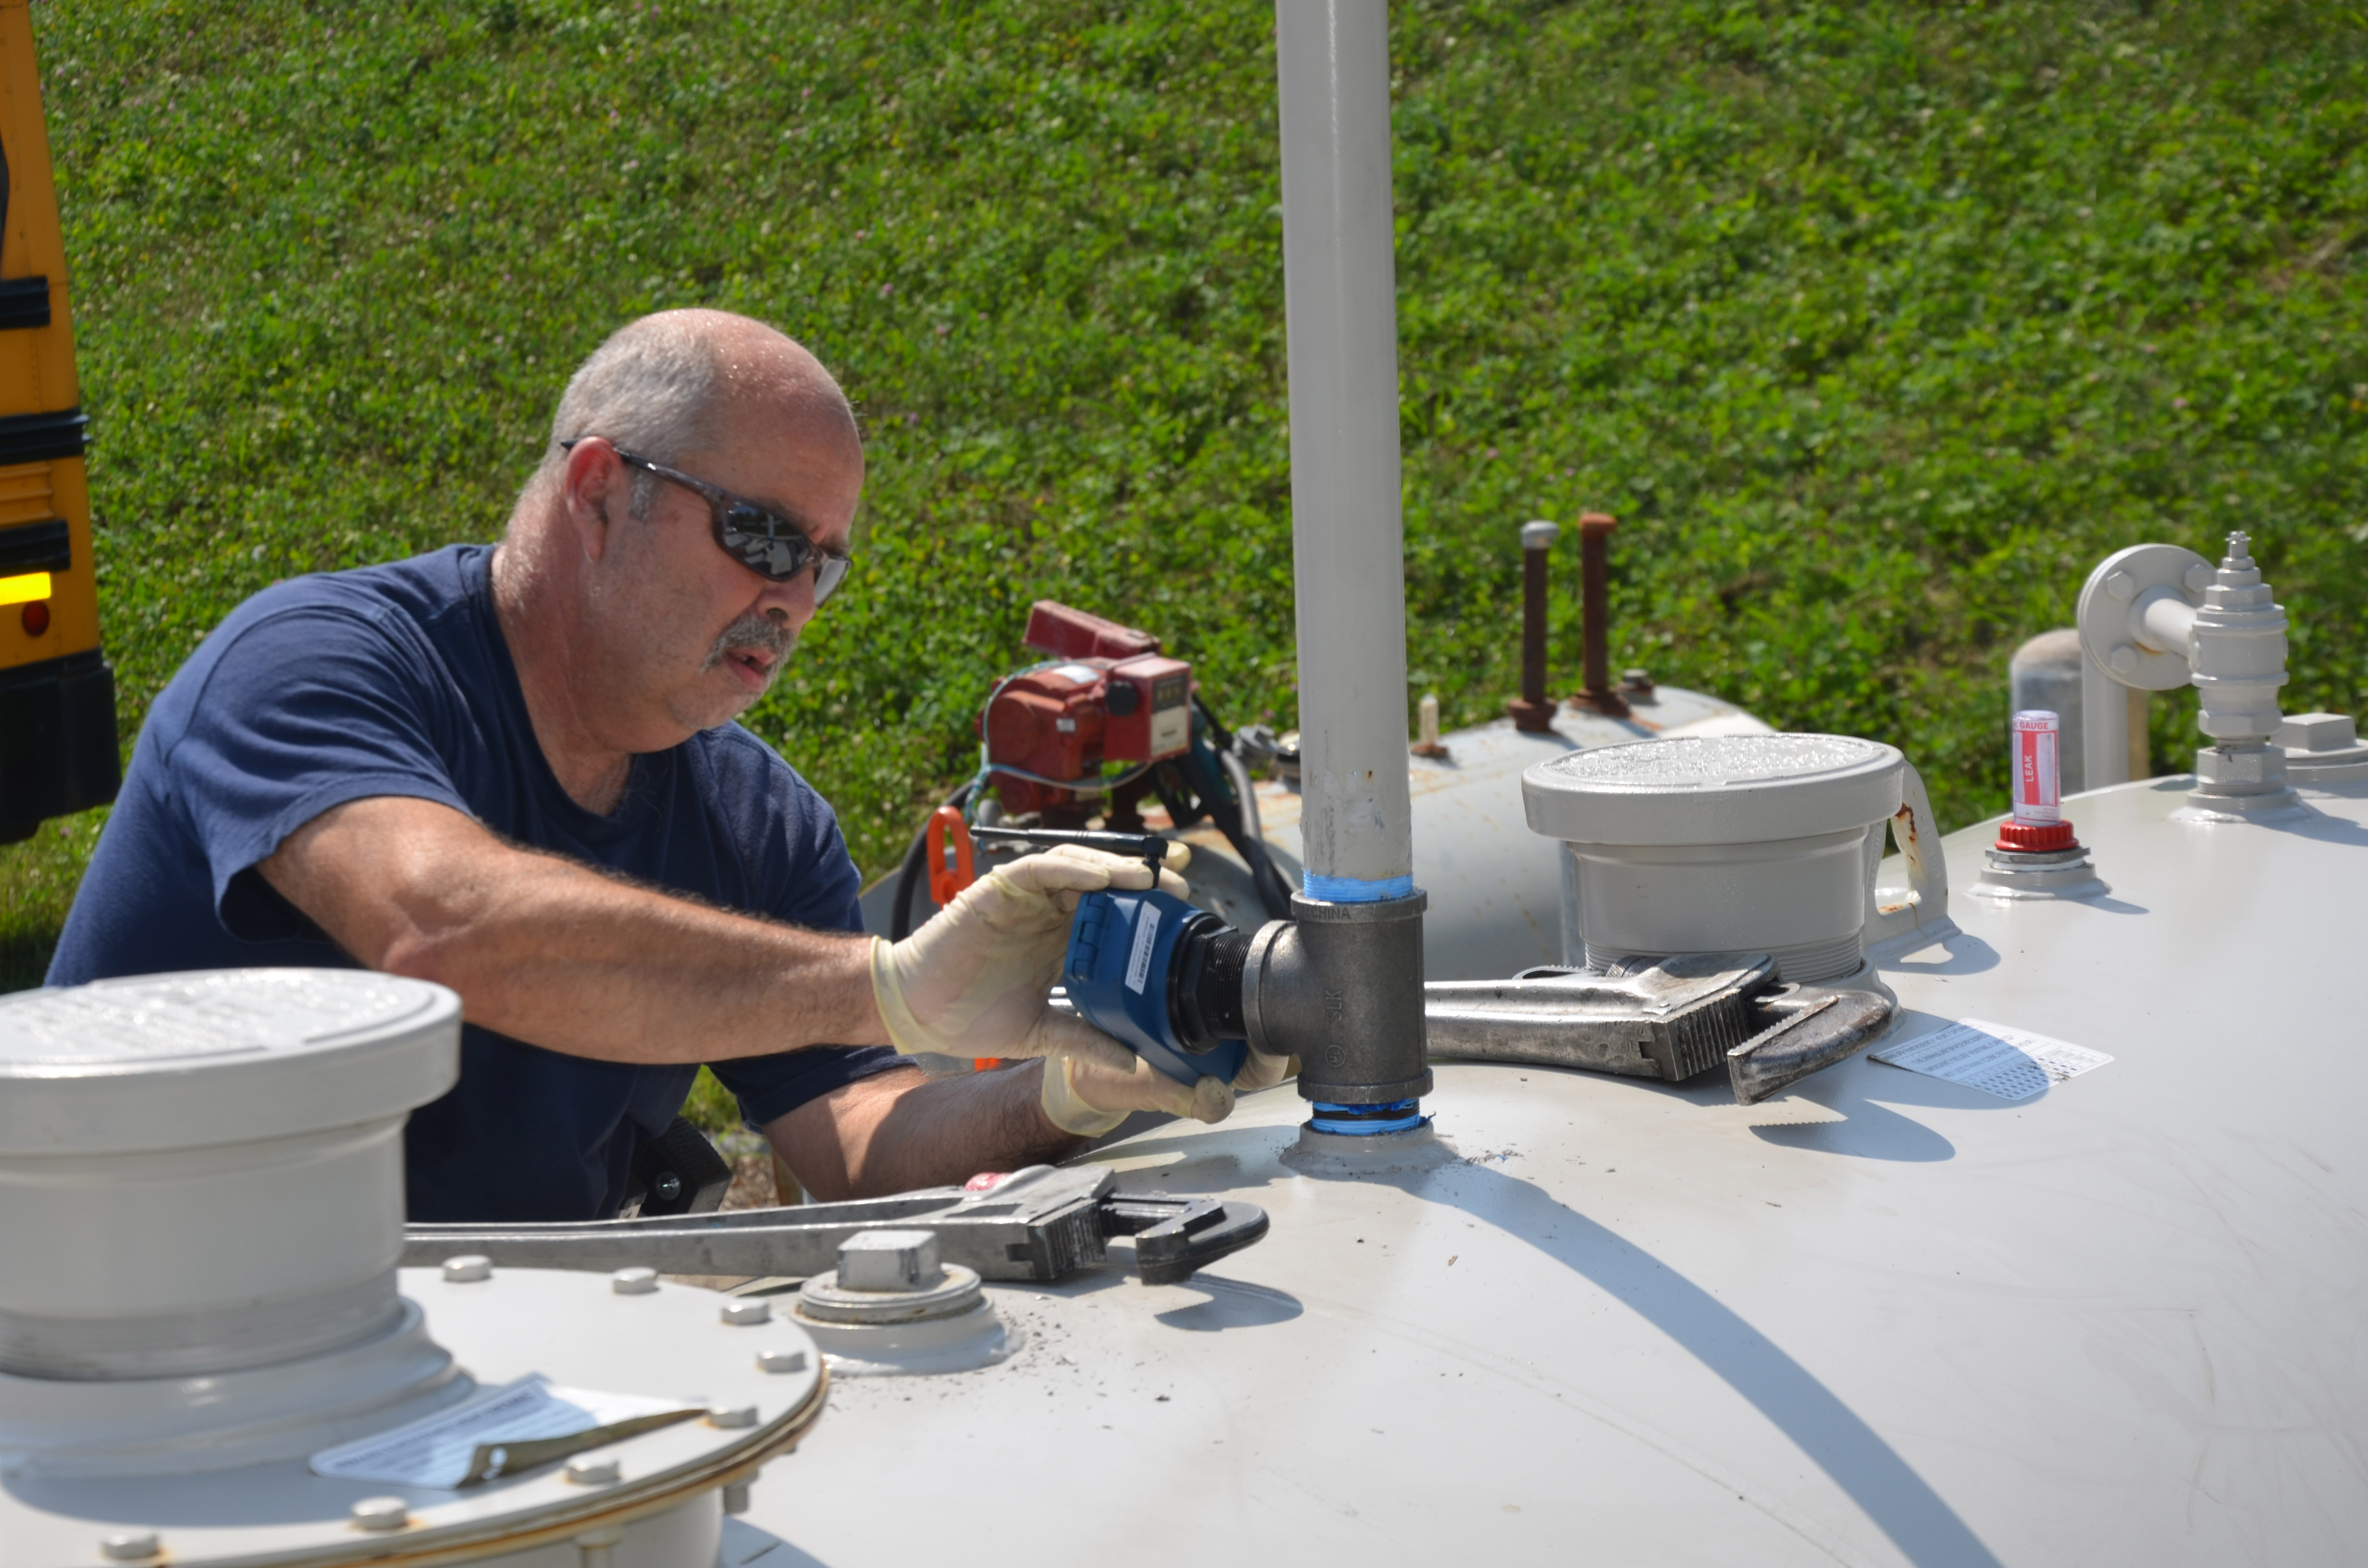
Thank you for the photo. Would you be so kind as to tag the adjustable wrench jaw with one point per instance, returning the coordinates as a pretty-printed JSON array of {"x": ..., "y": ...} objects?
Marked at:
[{"x": 1668, "y": 1018}]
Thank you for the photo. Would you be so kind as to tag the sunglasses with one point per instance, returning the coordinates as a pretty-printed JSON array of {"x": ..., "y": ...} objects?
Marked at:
[{"x": 757, "y": 537}]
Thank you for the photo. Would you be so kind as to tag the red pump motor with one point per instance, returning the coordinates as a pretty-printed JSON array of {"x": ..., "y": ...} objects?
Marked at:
[{"x": 1106, "y": 694}]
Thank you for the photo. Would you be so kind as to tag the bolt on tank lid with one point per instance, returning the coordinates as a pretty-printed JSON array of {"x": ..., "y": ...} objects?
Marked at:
[
  {"x": 1687, "y": 789},
  {"x": 217, "y": 1056}
]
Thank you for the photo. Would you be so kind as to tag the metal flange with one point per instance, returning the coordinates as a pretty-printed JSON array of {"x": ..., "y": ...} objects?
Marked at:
[
  {"x": 762, "y": 1376},
  {"x": 2113, "y": 610}
]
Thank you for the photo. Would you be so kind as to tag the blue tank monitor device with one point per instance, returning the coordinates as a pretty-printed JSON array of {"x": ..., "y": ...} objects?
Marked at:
[{"x": 1163, "y": 977}]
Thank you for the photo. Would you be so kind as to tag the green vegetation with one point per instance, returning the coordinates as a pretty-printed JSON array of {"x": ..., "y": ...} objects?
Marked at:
[{"x": 1875, "y": 323}]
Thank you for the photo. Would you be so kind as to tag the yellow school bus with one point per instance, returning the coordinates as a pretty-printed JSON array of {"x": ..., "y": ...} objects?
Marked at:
[{"x": 57, "y": 694}]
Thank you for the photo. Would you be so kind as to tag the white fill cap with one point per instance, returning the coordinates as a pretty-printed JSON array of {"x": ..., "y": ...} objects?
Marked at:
[
  {"x": 1713, "y": 790},
  {"x": 217, "y": 1056}
]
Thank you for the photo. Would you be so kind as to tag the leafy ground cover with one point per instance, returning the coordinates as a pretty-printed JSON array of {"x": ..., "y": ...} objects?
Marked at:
[{"x": 1877, "y": 325}]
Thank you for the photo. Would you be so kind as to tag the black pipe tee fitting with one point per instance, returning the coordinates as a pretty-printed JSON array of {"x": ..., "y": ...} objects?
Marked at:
[{"x": 1340, "y": 986}]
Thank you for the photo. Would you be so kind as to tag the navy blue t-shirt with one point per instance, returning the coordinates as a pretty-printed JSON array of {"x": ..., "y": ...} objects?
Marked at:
[{"x": 395, "y": 680}]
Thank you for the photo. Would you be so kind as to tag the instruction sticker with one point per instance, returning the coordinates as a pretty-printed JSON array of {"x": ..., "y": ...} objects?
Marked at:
[
  {"x": 1146, "y": 932},
  {"x": 498, "y": 1431},
  {"x": 2014, "y": 1064}
]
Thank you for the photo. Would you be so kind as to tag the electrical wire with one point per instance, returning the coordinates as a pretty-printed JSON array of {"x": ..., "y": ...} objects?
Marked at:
[
  {"x": 1239, "y": 771},
  {"x": 1079, "y": 786}
]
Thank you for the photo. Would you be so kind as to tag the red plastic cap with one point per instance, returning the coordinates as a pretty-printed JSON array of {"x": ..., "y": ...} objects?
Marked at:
[
  {"x": 2033, "y": 837},
  {"x": 1065, "y": 633}
]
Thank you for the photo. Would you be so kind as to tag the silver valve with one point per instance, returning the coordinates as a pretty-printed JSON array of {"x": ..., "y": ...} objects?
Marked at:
[
  {"x": 2238, "y": 656},
  {"x": 2154, "y": 616}
]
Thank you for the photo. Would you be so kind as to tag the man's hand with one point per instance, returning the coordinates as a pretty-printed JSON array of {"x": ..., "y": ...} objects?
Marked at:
[
  {"x": 972, "y": 982},
  {"x": 1088, "y": 1098}
]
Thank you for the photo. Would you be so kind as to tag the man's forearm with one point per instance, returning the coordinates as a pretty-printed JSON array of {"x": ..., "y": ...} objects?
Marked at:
[
  {"x": 899, "y": 1130},
  {"x": 548, "y": 951}
]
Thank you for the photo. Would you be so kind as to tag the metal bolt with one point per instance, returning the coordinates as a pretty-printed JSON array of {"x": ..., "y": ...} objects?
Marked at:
[
  {"x": 634, "y": 1281},
  {"x": 2122, "y": 660},
  {"x": 595, "y": 1546},
  {"x": 736, "y": 1497},
  {"x": 1595, "y": 615},
  {"x": 468, "y": 1270},
  {"x": 1531, "y": 711},
  {"x": 2122, "y": 586},
  {"x": 2200, "y": 577},
  {"x": 782, "y": 1361},
  {"x": 741, "y": 1313},
  {"x": 889, "y": 1260},
  {"x": 382, "y": 1513},
  {"x": 732, "y": 1417},
  {"x": 595, "y": 1469},
  {"x": 1427, "y": 727},
  {"x": 128, "y": 1546}
]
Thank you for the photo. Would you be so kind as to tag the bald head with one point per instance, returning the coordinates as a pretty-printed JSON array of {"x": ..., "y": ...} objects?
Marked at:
[{"x": 682, "y": 384}]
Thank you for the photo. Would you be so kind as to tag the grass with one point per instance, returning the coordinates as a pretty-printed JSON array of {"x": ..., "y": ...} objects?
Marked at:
[{"x": 1875, "y": 324}]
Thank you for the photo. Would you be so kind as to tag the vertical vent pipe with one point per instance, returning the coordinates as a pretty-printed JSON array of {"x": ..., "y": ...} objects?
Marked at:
[
  {"x": 1340, "y": 279},
  {"x": 1353, "y": 955}
]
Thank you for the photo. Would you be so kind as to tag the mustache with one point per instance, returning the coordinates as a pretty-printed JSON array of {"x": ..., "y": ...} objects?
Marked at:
[{"x": 752, "y": 630}]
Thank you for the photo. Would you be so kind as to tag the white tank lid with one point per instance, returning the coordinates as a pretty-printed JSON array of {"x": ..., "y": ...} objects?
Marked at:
[
  {"x": 218, "y": 1056},
  {"x": 1713, "y": 790}
]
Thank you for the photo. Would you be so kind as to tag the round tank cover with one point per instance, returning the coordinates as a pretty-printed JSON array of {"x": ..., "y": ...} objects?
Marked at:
[
  {"x": 1713, "y": 790},
  {"x": 221, "y": 1056}
]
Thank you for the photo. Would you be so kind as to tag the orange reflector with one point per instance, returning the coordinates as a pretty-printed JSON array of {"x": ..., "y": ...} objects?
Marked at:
[{"x": 24, "y": 589}]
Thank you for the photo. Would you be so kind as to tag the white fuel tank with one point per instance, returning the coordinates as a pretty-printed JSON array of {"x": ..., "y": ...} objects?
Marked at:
[{"x": 1886, "y": 1318}]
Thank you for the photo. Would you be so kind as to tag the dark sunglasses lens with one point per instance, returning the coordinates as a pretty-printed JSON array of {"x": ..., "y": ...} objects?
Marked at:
[
  {"x": 771, "y": 547},
  {"x": 751, "y": 538},
  {"x": 829, "y": 575}
]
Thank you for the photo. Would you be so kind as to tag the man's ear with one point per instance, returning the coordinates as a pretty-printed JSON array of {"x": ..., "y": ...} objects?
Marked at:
[{"x": 590, "y": 487}]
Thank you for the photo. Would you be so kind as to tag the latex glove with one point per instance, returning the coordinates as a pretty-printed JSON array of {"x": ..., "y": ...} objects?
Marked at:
[
  {"x": 1260, "y": 1071},
  {"x": 973, "y": 980},
  {"x": 1088, "y": 1098}
]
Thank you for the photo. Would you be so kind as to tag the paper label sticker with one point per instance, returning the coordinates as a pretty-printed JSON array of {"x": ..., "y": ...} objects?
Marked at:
[
  {"x": 2014, "y": 1064},
  {"x": 473, "y": 1440},
  {"x": 1146, "y": 932}
]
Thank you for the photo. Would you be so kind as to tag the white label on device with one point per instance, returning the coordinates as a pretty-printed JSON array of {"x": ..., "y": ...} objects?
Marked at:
[
  {"x": 439, "y": 1450},
  {"x": 1171, "y": 730},
  {"x": 1138, "y": 962},
  {"x": 2014, "y": 1064}
]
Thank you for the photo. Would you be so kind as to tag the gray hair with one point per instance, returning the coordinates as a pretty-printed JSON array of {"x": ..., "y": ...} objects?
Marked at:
[{"x": 649, "y": 390}]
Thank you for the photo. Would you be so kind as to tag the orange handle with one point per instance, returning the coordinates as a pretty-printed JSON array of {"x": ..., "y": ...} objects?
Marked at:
[
  {"x": 946, "y": 881},
  {"x": 946, "y": 823}
]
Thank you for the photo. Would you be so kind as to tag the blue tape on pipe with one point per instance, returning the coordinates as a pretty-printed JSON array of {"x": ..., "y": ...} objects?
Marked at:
[
  {"x": 1367, "y": 1120},
  {"x": 1355, "y": 890}
]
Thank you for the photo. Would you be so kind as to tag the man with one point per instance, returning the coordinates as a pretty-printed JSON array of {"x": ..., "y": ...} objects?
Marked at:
[{"x": 514, "y": 771}]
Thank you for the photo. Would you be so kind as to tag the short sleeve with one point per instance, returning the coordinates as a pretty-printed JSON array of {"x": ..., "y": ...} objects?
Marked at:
[
  {"x": 303, "y": 709},
  {"x": 769, "y": 1087}
]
